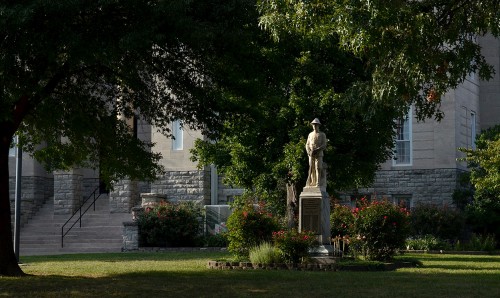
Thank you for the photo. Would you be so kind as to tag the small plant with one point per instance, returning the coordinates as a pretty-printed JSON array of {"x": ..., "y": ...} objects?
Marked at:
[
  {"x": 294, "y": 245},
  {"x": 248, "y": 226},
  {"x": 482, "y": 242},
  {"x": 379, "y": 230},
  {"x": 427, "y": 242},
  {"x": 169, "y": 224},
  {"x": 265, "y": 253}
]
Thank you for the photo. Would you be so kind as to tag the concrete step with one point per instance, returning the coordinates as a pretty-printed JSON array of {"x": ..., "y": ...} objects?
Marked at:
[{"x": 100, "y": 231}]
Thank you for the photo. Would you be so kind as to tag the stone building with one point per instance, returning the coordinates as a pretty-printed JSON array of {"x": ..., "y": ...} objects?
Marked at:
[{"x": 424, "y": 170}]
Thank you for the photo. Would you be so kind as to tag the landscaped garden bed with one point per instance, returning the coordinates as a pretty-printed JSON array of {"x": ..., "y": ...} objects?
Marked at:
[{"x": 336, "y": 266}]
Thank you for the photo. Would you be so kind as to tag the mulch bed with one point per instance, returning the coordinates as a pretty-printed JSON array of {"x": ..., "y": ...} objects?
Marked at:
[{"x": 223, "y": 265}]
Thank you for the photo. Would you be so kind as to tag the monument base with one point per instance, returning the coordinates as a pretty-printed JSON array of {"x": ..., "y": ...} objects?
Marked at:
[
  {"x": 322, "y": 250},
  {"x": 314, "y": 215}
]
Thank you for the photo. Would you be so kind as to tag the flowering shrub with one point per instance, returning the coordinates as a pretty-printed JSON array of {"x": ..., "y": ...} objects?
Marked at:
[
  {"x": 293, "y": 245},
  {"x": 248, "y": 226},
  {"x": 341, "y": 221},
  {"x": 169, "y": 224},
  {"x": 380, "y": 229}
]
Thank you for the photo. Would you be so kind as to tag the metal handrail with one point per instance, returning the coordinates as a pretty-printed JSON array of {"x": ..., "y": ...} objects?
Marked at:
[{"x": 93, "y": 194}]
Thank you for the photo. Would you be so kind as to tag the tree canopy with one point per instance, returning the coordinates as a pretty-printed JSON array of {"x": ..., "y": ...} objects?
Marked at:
[
  {"x": 70, "y": 69},
  {"x": 415, "y": 50}
]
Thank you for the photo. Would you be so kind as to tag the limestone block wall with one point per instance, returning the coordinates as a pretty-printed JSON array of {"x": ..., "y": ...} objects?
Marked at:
[
  {"x": 124, "y": 196},
  {"x": 35, "y": 190},
  {"x": 89, "y": 185},
  {"x": 424, "y": 186},
  {"x": 130, "y": 236},
  {"x": 193, "y": 185},
  {"x": 68, "y": 192}
]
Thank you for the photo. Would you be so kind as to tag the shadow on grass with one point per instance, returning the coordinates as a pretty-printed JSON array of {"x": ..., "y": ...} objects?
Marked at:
[
  {"x": 222, "y": 283},
  {"x": 445, "y": 279},
  {"x": 120, "y": 257}
]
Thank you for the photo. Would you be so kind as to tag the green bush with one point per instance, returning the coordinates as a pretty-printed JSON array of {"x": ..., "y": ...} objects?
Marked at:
[
  {"x": 294, "y": 245},
  {"x": 248, "y": 226},
  {"x": 441, "y": 222},
  {"x": 341, "y": 221},
  {"x": 483, "y": 214},
  {"x": 217, "y": 240},
  {"x": 380, "y": 228},
  {"x": 265, "y": 253},
  {"x": 170, "y": 224}
]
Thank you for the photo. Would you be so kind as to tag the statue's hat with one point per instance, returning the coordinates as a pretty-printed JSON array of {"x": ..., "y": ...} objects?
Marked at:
[{"x": 316, "y": 121}]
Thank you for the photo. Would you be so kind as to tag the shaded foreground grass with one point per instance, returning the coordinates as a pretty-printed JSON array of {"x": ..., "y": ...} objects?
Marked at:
[{"x": 185, "y": 275}]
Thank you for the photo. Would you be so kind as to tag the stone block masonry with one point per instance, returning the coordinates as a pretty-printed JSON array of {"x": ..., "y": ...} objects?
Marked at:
[
  {"x": 68, "y": 192},
  {"x": 130, "y": 236},
  {"x": 35, "y": 190},
  {"x": 124, "y": 196},
  {"x": 184, "y": 186},
  {"x": 426, "y": 186}
]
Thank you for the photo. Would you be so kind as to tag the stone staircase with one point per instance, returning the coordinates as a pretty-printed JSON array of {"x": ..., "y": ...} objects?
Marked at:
[{"x": 101, "y": 231}]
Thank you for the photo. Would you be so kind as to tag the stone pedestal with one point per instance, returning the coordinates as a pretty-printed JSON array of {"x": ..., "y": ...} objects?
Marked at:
[{"x": 314, "y": 215}]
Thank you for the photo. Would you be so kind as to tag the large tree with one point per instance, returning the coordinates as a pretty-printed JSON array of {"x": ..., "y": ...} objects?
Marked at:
[
  {"x": 356, "y": 65},
  {"x": 70, "y": 69},
  {"x": 263, "y": 147}
]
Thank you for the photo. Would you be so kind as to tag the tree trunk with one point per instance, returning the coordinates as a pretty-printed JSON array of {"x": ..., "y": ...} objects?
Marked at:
[
  {"x": 291, "y": 204},
  {"x": 8, "y": 261}
]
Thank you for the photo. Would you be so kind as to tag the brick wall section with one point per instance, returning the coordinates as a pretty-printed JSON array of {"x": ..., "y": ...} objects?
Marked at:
[
  {"x": 184, "y": 185},
  {"x": 427, "y": 186},
  {"x": 35, "y": 191}
]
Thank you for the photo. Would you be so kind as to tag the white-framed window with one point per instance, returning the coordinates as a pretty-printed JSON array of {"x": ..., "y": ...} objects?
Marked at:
[
  {"x": 404, "y": 201},
  {"x": 403, "y": 143},
  {"x": 178, "y": 134},
  {"x": 473, "y": 130}
]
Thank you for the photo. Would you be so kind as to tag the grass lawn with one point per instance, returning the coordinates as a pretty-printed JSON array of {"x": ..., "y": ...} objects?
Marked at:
[{"x": 185, "y": 275}]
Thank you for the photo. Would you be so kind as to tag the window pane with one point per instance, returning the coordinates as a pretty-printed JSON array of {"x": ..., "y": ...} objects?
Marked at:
[
  {"x": 12, "y": 150},
  {"x": 178, "y": 133},
  {"x": 403, "y": 141}
]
